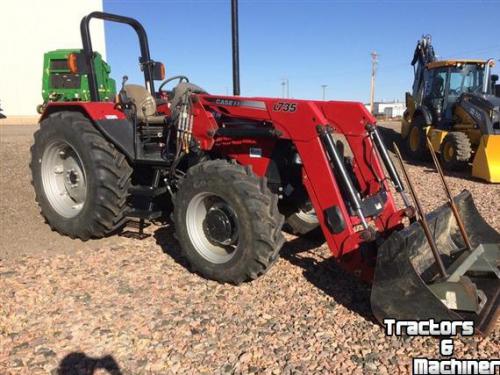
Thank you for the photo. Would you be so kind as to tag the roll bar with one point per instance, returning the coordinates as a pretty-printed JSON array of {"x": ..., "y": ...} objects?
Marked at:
[{"x": 144, "y": 59}]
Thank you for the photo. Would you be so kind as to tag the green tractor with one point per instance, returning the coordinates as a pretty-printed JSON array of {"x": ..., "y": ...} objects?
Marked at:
[{"x": 62, "y": 82}]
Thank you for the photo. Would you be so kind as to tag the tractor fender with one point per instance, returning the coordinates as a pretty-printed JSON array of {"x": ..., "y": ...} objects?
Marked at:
[
  {"x": 256, "y": 153},
  {"x": 425, "y": 113},
  {"x": 108, "y": 120},
  {"x": 409, "y": 118},
  {"x": 275, "y": 159}
]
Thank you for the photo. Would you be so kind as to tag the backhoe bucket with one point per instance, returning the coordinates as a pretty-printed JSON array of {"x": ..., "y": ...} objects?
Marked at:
[{"x": 408, "y": 286}]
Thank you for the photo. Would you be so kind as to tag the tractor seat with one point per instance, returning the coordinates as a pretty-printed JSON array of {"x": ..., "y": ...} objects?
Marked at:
[{"x": 145, "y": 104}]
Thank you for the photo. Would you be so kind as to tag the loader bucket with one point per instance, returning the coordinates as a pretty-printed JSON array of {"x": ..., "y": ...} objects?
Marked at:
[
  {"x": 408, "y": 286},
  {"x": 486, "y": 164}
]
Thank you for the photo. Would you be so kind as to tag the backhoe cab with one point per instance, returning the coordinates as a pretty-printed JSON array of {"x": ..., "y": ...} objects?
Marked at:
[
  {"x": 236, "y": 168},
  {"x": 453, "y": 103}
]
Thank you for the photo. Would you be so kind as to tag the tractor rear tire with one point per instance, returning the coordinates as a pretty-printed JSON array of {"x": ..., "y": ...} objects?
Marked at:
[
  {"x": 227, "y": 222},
  {"x": 455, "y": 151},
  {"x": 416, "y": 142},
  {"x": 81, "y": 180}
]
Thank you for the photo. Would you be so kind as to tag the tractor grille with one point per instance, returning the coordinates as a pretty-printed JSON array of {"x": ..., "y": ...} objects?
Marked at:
[{"x": 65, "y": 81}]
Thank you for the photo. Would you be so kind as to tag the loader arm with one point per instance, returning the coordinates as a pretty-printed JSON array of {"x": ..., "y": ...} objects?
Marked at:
[{"x": 302, "y": 122}]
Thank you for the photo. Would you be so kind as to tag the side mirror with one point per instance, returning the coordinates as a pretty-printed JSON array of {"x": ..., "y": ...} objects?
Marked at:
[
  {"x": 158, "y": 71},
  {"x": 494, "y": 78}
]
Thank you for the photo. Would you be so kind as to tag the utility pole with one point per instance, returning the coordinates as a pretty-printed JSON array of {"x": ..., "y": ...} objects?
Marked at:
[
  {"x": 324, "y": 91},
  {"x": 285, "y": 88},
  {"x": 374, "y": 56}
]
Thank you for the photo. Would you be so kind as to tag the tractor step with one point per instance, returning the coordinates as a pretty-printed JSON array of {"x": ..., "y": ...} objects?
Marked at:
[
  {"x": 138, "y": 227},
  {"x": 151, "y": 131},
  {"x": 144, "y": 214},
  {"x": 147, "y": 191}
]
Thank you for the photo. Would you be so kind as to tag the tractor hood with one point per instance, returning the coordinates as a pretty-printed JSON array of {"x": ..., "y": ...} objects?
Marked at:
[
  {"x": 483, "y": 101},
  {"x": 484, "y": 109}
]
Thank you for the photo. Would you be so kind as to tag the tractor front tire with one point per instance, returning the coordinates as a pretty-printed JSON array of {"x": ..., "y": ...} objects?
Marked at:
[
  {"x": 416, "y": 142},
  {"x": 455, "y": 151},
  {"x": 227, "y": 222},
  {"x": 81, "y": 181}
]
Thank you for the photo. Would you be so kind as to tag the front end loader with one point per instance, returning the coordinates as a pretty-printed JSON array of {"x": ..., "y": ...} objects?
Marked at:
[
  {"x": 453, "y": 103},
  {"x": 235, "y": 167}
]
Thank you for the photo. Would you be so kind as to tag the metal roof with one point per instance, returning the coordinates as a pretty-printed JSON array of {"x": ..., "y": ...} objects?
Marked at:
[{"x": 444, "y": 63}]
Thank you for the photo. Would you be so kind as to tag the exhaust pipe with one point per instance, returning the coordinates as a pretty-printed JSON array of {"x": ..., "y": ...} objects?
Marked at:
[
  {"x": 236, "y": 47},
  {"x": 486, "y": 78}
]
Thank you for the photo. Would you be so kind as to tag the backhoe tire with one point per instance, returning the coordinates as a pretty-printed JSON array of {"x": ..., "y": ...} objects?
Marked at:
[
  {"x": 455, "y": 151},
  {"x": 80, "y": 180},
  {"x": 227, "y": 222},
  {"x": 416, "y": 143}
]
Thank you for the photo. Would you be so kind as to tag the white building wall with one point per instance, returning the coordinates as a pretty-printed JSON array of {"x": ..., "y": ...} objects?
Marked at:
[
  {"x": 396, "y": 108},
  {"x": 29, "y": 28}
]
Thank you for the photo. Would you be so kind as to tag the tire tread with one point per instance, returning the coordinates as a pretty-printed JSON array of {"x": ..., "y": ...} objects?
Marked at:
[
  {"x": 113, "y": 176},
  {"x": 261, "y": 201}
]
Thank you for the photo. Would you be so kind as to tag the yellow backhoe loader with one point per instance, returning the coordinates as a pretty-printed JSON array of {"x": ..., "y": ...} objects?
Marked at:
[{"x": 453, "y": 104}]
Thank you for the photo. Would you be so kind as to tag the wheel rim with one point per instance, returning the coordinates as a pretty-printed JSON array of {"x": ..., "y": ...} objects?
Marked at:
[
  {"x": 213, "y": 227},
  {"x": 309, "y": 216},
  {"x": 63, "y": 178},
  {"x": 448, "y": 152},
  {"x": 414, "y": 139}
]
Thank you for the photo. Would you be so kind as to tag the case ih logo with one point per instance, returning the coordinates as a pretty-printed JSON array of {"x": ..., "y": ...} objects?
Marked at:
[
  {"x": 238, "y": 103},
  {"x": 230, "y": 102}
]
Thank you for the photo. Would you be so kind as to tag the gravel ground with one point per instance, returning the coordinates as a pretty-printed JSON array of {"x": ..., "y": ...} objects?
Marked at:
[{"x": 126, "y": 306}]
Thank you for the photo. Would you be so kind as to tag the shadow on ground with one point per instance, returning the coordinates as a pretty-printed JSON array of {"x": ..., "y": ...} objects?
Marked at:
[
  {"x": 325, "y": 275},
  {"x": 81, "y": 364},
  {"x": 165, "y": 238}
]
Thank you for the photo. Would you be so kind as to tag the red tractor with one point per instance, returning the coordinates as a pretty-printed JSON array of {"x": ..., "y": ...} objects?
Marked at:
[{"x": 235, "y": 168}]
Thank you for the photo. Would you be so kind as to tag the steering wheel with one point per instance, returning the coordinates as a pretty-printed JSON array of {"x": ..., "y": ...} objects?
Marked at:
[{"x": 180, "y": 78}]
